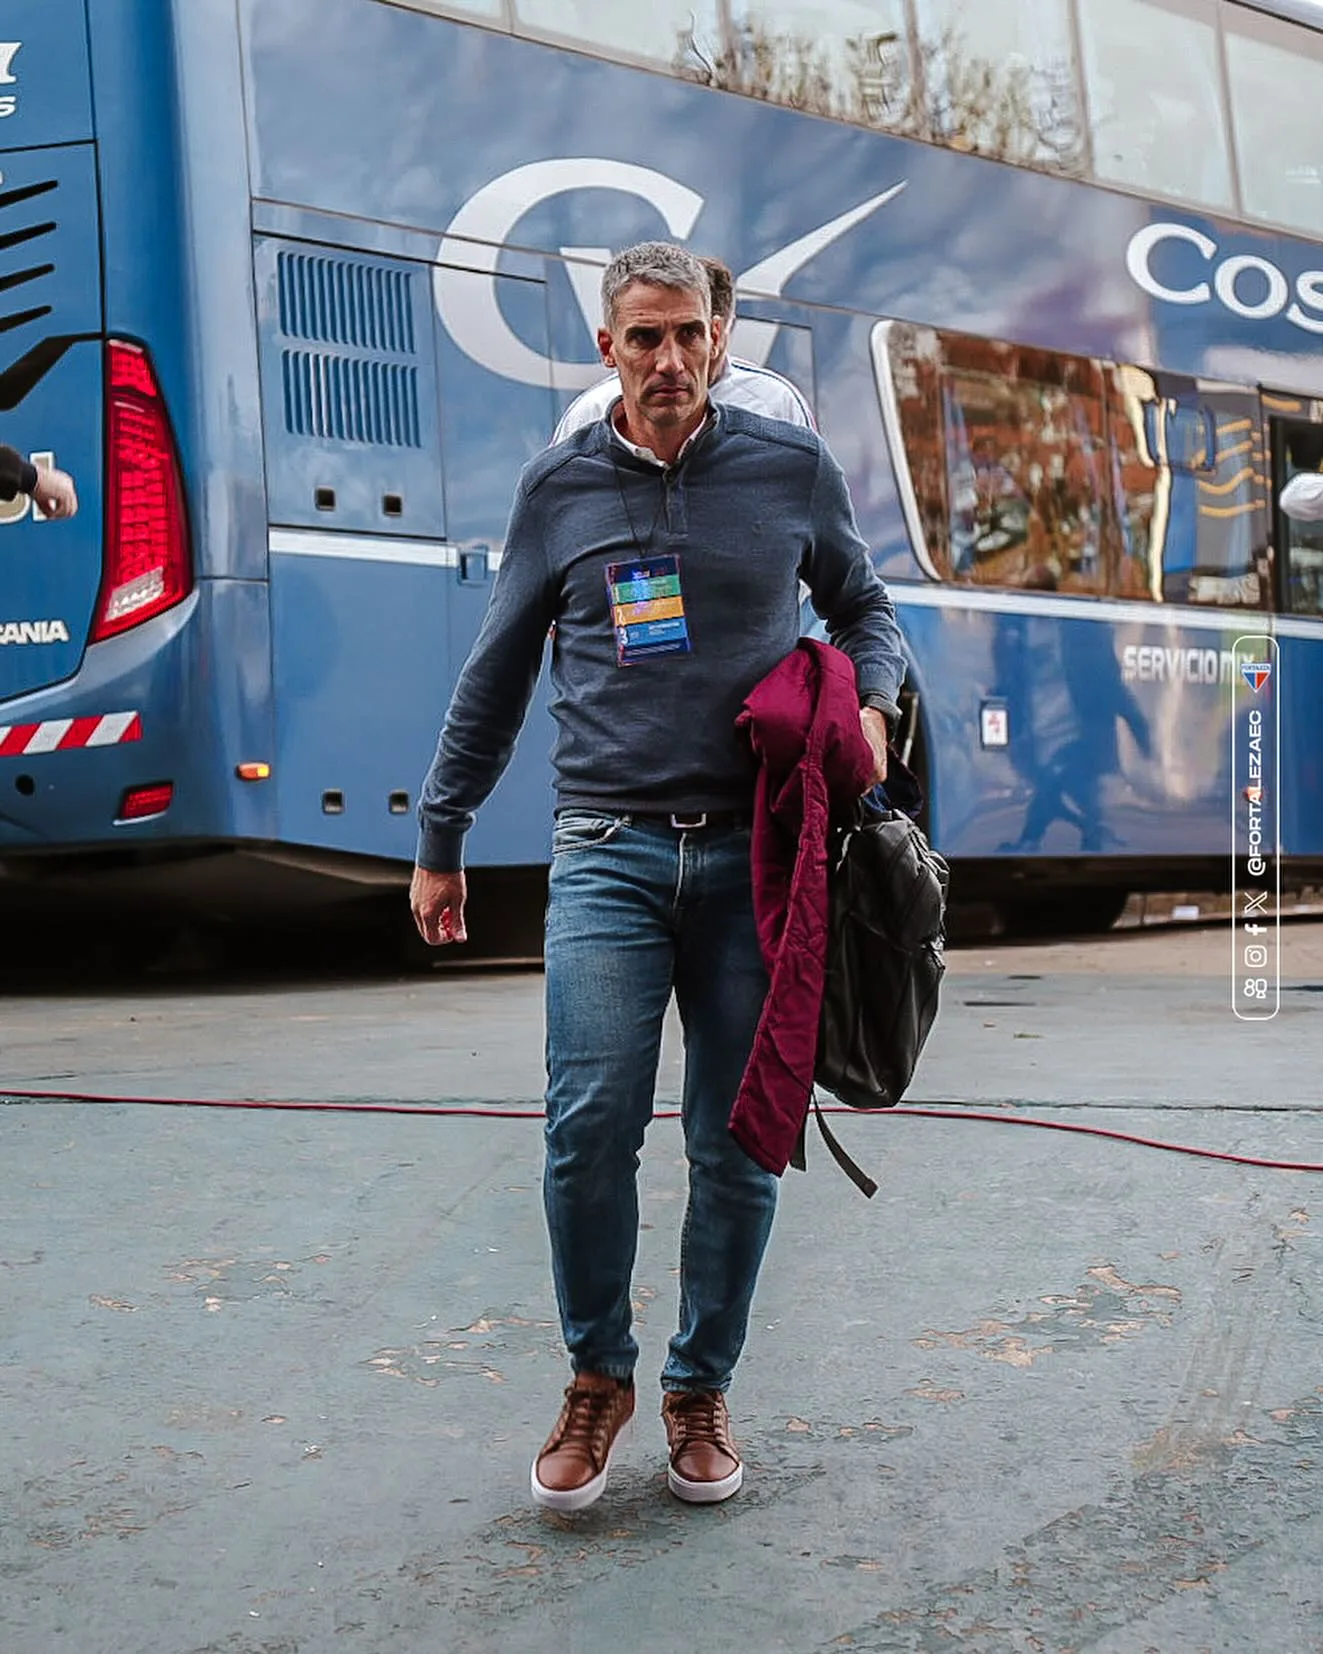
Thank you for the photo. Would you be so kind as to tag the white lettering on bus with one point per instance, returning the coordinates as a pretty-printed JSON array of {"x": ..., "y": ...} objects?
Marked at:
[
  {"x": 1236, "y": 280},
  {"x": 1155, "y": 663},
  {"x": 468, "y": 261},
  {"x": 33, "y": 631},
  {"x": 9, "y": 50}
]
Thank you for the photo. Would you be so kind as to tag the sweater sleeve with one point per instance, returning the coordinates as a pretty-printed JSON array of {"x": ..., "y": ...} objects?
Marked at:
[
  {"x": 846, "y": 591},
  {"x": 491, "y": 698},
  {"x": 17, "y": 475}
]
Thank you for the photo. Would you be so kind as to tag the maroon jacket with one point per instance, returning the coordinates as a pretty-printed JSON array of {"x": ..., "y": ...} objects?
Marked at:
[{"x": 814, "y": 762}]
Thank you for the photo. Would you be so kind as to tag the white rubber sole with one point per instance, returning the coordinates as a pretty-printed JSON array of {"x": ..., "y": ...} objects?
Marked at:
[
  {"x": 705, "y": 1493},
  {"x": 578, "y": 1498}
]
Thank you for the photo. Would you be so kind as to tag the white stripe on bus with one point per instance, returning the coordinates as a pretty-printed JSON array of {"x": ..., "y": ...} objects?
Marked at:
[
  {"x": 48, "y": 735},
  {"x": 110, "y": 729},
  {"x": 361, "y": 548}
]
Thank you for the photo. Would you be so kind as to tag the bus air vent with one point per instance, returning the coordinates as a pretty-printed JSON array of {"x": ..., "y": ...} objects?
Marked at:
[
  {"x": 339, "y": 303},
  {"x": 365, "y": 388},
  {"x": 351, "y": 399},
  {"x": 22, "y": 266}
]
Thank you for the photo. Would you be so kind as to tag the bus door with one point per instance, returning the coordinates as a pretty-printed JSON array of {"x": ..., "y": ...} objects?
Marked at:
[
  {"x": 1295, "y": 426},
  {"x": 50, "y": 374},
  {"x": 1295, "y": 439}
]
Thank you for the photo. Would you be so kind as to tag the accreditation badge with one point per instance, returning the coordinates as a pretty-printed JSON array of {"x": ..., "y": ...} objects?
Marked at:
[{"x": 647, "y": 609}]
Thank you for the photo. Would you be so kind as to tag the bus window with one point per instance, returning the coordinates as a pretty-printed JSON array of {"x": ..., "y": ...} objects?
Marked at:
[
  {"x": 1141, "y": 491},
  {"x": 1215, "y": 548},
  {"x": 655, "y": 32},
  {"x": 1024, "y": 451},
  {"x": 1004, "y": 465},
  {"x": 847, "y": 58},
  {"x": 493, "y": 9},
  {"x": 1034, "y": 469},
  {"x": 1152, "y": 76},
  {"x": 1183, "y": 434},
  {"x": 1000, "y": 78},
  {"x": 1276, "y": 76},
  {"x": 907, "y": 367},
  {"x": 1300, "y": 542},
  {"x": 1302, "y": 547}
]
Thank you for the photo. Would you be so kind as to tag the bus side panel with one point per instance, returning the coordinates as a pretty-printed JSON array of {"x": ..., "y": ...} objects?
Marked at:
[
  {"x": 371, "y": 628},
  {"x": 1062, "y": 737},
  {"x": 201, "y": 312},
  {"x": 362, "y": 580},
  {"x": 349, "y": 390},
  {"x": 361, "y": 670},
  {"x": 1300, "y": 753},
  {"x": 44, "y": 97}
]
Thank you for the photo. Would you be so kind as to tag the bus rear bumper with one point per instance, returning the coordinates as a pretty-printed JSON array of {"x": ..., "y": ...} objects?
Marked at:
[{"x": 153, "y": 707}]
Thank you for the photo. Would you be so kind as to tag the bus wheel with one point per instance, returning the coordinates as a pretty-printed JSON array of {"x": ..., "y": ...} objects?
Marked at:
[{"x": 1080, "y": 911}]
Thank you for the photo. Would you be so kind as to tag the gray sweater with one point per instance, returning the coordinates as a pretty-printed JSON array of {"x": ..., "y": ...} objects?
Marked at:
[{"x": 599, "y": 539}]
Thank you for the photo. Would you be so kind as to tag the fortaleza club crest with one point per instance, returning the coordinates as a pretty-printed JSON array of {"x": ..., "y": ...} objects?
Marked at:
[{"x": 1256, "y": 673}]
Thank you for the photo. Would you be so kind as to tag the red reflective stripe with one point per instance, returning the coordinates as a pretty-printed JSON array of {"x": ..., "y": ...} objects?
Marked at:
[
  {"x": 78, "y": 732},
  {"x": 15, "y": 743}
]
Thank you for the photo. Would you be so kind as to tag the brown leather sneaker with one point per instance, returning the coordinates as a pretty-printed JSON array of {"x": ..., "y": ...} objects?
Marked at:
[
  {"x": 705, "y": 1467},
  {"x": 570, "y": 1471}
]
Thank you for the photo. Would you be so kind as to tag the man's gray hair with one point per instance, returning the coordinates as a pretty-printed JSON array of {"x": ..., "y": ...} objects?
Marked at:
[{"x": 657, "y": 264}]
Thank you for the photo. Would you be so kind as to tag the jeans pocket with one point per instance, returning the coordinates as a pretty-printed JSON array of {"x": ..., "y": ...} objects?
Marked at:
[{"x": 581, "y": 830}]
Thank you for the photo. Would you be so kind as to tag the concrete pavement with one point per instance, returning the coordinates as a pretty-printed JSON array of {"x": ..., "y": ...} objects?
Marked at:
[{"x": 272, "y": 1381}]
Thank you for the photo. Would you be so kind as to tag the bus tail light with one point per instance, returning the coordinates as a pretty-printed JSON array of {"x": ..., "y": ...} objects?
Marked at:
[{"x": 147, "y": 564}]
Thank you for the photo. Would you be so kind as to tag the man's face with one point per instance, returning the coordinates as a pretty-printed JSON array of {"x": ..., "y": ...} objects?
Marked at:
[{"x": 661, "y": 344}]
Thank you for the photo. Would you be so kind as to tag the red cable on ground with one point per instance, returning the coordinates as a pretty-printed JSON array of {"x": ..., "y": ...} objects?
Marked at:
[{"x": 473, "y": 1111}]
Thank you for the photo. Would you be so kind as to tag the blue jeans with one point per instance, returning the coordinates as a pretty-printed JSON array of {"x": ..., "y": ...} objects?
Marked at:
[{"x": 636, "y": 910}]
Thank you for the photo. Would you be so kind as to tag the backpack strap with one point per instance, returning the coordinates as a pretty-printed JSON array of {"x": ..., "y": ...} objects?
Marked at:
[{"x": 854, "y": 1172}]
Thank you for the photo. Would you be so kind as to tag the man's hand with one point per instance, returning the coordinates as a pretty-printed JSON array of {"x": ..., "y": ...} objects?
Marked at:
[
  {"x": 55, "y": 493},
  {"x": 874, "y": 725},
  {"x": 437, "y": 900}
]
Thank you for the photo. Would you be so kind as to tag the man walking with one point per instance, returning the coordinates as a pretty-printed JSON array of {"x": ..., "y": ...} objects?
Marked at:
[
  {"x": 666, "y": 544},
  {"x": 731, "y": 380}
]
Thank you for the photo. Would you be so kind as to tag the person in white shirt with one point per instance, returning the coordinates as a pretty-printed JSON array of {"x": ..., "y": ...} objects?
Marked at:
[
  {"x": 737, "y": 383},
  {"x": 1302, "y": 498}
]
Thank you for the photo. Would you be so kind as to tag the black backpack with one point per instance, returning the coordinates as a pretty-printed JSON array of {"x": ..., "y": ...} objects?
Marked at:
[{"x": 885, "y": 956}]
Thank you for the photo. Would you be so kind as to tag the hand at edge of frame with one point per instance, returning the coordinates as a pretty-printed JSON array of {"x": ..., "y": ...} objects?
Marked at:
[{"x": 55, "y": 493}]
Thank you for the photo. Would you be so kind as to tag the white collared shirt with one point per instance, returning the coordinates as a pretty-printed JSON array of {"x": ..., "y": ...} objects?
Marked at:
[{"x": 647, "y": 453}]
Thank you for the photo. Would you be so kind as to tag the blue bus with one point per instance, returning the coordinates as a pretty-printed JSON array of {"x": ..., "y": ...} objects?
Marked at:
[{"x": 294, "y": 288}]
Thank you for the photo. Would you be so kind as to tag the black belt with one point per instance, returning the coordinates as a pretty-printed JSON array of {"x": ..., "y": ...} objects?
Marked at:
[{"x": 694, "y": 821}]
